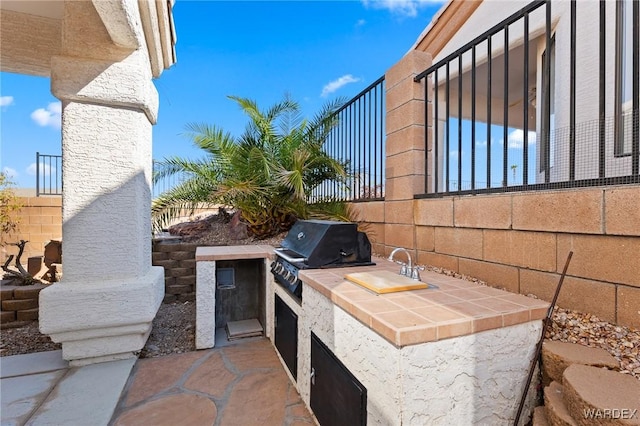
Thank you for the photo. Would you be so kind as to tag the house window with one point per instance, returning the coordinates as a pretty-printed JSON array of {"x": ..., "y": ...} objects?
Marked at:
[
  {"x": 624, "y": 83},
  {"x": 547, "y": 153}
]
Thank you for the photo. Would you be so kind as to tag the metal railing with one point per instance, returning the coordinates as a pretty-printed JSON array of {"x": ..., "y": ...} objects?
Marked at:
[
  {"x": 48, "y": 174},
  {"x": 49, "y": 177},
  {"x": 504, "y": 120},
  {"x": 359, "y": 139}
]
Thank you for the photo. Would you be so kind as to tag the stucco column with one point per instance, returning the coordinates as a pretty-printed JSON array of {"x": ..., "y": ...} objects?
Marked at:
[
  {"x": 405, "y": 147},
  {"x": 109, "y": 294}
]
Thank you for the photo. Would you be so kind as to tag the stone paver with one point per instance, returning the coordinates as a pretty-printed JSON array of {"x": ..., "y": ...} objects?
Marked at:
[{"x": 240, "y": 384}]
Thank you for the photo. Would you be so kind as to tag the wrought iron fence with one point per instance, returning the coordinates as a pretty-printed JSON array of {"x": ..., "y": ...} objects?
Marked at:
[
  {"x": 48, "y": 174},
  {"x": 359, "y": 140},
  {"x": 505, "y": 120},
  {"x": 49, "y": 177}
]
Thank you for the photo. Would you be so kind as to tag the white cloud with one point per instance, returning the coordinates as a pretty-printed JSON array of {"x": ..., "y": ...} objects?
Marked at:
[
  {"x": 400, "y": 7},
  {"x": 337, "y": 84},
  {"x": 45, "y": 170},
  {"x": 10, "y": 173},
  {"x": 51, "y": 116},
  {"x": 516, "y": 139},
  {"x": 5, "y": 101},
  {"x": 360, "y": 23}
]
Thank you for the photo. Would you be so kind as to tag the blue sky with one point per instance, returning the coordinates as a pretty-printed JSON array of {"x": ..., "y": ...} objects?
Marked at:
[{"x": 314, "y": 51}]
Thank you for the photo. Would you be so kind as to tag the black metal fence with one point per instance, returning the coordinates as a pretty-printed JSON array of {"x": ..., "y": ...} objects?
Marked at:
[
  {"x": 359, "y": 139},
  {"x": 48, "y": 174},
  {"x": 49, "y": 177},
  {"x": 507, "y": 115}
]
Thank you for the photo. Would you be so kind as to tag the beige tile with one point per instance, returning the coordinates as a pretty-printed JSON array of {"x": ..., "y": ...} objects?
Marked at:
[
  {"x": 405, "y": 301},
  {"x": 439, "y": 298},
  {"x": 487, "y": 323},
  {"x": 439, "y": 314},
  {"x": 466, "y": 294},
  {"x": 454, "y": 329},
  {"x": 514, "y": 318},
  {"x": 415, "y": 335}
]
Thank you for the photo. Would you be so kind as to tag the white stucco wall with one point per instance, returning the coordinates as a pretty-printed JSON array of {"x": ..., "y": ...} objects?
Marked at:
[{"x": 474, "y": 379}]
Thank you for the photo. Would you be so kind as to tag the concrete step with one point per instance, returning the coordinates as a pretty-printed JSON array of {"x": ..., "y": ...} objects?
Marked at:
[
  {"x": 597, "y": 396},
  {"x": 540, "y": 416},
  {"x": 557, "y": 356},
  {"x": 555, "y": 407}
]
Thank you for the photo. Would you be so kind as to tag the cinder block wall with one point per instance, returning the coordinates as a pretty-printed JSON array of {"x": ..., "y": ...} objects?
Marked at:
[
  {"x": 179, "y": 262},
  {"x": 518, "y": 241},
  {"x": 40, "y": 222}
]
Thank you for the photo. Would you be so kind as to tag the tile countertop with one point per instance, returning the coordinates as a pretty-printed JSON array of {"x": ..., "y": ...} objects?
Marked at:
[
  {"x": 456, "y": 308},
  {"x": 234, "y": 252}
]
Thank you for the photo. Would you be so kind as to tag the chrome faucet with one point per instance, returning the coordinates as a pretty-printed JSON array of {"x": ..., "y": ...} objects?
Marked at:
[{"x": 406, "y": 268}]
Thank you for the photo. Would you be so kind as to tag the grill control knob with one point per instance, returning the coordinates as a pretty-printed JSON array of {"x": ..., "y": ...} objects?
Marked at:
[
  {"x": 278, "y": 268},
  {"x": 292, "y": 278}
]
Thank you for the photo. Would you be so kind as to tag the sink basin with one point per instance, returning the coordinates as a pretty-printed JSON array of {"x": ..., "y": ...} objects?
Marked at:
[{"x": 385, "y": 281}]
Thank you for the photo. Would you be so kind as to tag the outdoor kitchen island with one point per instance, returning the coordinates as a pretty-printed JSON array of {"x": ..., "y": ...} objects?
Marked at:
[{"x": 458, "y": 354}]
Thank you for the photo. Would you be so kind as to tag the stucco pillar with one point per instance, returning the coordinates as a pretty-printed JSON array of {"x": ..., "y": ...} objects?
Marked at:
[
  {"x": 109, "y": 294},
  {"x": 405, "y": 147}
]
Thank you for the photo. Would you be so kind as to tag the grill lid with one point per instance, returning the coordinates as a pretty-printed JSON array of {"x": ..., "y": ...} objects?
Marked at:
[{"x": 324, "y": 243}]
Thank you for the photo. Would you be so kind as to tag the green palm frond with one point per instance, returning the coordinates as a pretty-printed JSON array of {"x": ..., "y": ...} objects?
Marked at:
[{"x": 267, "y": 172}]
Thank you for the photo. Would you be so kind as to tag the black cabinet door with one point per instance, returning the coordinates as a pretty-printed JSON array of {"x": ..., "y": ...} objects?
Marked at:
[
  {"x": 286, "y": 335},
  {"x": 337, "y": 397}
]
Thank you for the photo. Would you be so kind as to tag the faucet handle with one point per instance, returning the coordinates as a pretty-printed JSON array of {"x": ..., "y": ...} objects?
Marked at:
[
  {"x": 415, "y": 273},
  {"x": 404, "y": 270}
]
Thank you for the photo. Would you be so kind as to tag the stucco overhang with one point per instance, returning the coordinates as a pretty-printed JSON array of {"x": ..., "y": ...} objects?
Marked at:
[
  {"x": 444, "y": 24},
  {"x": 32, "y": 32}
]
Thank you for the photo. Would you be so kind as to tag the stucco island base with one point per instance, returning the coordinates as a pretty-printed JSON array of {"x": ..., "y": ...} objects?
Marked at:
[
  {"x": 101, "y": 321},
  {"x": 472, "y": 379}
]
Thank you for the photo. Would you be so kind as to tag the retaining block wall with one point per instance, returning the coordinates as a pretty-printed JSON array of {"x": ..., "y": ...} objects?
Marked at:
[{"x": 179, "y": 263}]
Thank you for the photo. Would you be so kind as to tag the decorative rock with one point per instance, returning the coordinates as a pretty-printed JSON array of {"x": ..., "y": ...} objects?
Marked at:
[
  {"x": 600, "y": 396},
  {"x": 540, "y": 416},
  {"x": 557, "y": 356},
  {"x": 557, "y": 413},
  {"x": 190, "y": 229},
  {"x": 237, "y": 229}
]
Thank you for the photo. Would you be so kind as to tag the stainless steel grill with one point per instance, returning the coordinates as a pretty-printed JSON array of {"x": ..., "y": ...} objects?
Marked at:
[{"x": 316, "y": 244}]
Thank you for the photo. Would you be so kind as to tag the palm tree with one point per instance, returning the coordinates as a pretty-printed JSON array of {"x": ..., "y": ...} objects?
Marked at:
[{"x": 267, "y": 173}]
